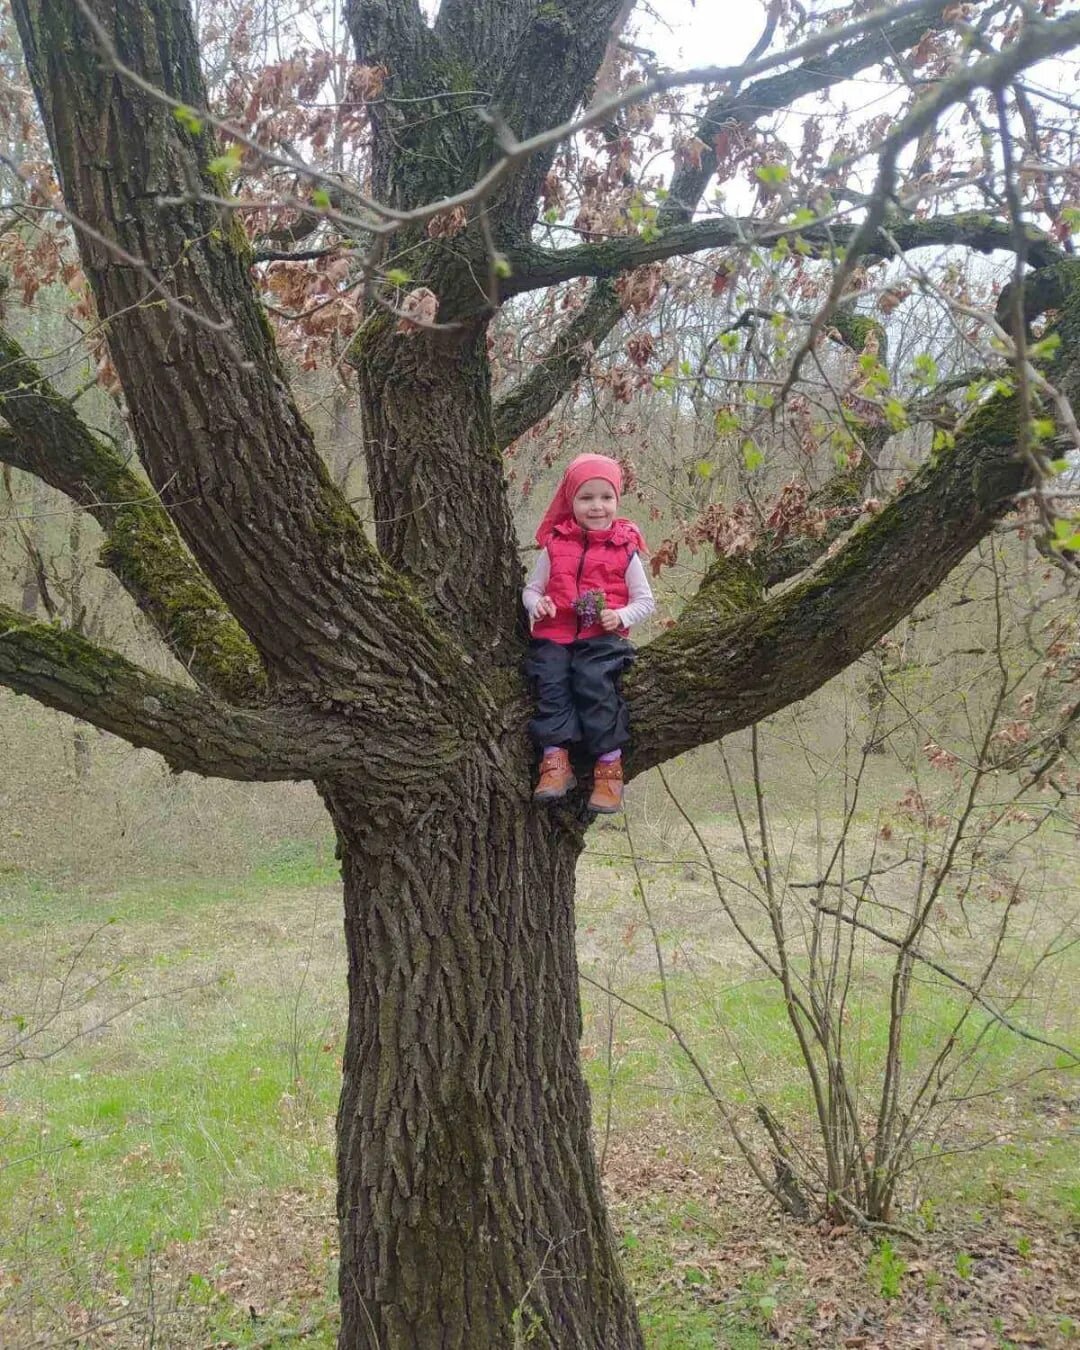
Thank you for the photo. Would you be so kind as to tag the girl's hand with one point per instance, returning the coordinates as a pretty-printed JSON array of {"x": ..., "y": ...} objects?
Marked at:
[
  {"x": 609, "y": 621},
  {"x": 545, "y": 608}
]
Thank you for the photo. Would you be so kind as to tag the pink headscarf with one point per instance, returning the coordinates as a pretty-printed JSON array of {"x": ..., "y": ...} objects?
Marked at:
[{"x": 579, "y": 471}]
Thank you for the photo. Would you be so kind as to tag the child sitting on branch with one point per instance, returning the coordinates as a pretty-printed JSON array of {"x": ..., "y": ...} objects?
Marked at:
[{"x": 587, "y": 589}]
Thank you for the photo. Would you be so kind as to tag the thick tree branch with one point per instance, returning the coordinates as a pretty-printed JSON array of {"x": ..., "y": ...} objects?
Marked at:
[
  {"x": 142, "y": 548},
  {"x": 714, "y": 675},
  {"x": 529, "y": 63},
  {"x": 533, "y": 268},
  {"x": 482, "y": 31},
  {"x": 390, "y": 31},
  {"x": 394, "y": 35},
  {"x": 555, "y": 372},
  {"x": 717, "y": 672},
  {"x": 725, "y": 665},
  {"x": 190, "y": 729},
  {"x": 261, "y": 255},
  {"x": 541, "y": 85},
  {"x": 194, "y": 731},
  {"x": 217, "y": 428}
]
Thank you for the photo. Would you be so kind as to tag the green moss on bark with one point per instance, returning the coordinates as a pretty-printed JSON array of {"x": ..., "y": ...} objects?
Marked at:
[
  {"x": 855, "y": 329},
  {"x": 730, "y": 586},
  {"x": 142, "y": 548},
  {"x": 143, "y": 551}
]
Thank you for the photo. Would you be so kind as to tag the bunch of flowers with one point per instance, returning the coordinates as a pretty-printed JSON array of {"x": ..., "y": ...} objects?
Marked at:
[{"x": 589, "y": 606}]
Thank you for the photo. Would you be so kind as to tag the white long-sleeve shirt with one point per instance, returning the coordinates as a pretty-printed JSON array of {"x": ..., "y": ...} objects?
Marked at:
[{"x": 639, "y": 605}]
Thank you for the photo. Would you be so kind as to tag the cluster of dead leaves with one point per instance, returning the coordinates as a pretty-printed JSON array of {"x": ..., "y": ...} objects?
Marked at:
[
  {"x": 418, "y": 310},
  {"x": 740, "y": 530},
  {"x": 637, "y": 290}
]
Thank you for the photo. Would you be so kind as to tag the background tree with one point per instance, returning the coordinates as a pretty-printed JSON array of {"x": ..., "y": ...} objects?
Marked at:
[{"x": 387, "y": 670}]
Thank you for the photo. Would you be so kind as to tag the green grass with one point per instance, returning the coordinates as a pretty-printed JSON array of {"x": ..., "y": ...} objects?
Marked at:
[
  {"x": 220, "y": 1083},
  {"x": 28, "y": 902},
  {"x": 686, "y": 1298},
  {"x": 752, "y": 1019},
  {"x": 298, "y": 862},
  {"x": 680, "y": 1319},
  {"x": 142, "y": 1153},
  {"x": 1035, "y": 1169}
]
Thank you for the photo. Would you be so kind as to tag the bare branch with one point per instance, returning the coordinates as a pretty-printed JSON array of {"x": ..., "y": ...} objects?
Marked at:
[
  {"x": 261, "y": 255},
  {"x": 874, "y": 39},
  {"x": 534, "y": 267},
  {"x": 974, "y": 991},
  {"x": 1036, "y": 42}
]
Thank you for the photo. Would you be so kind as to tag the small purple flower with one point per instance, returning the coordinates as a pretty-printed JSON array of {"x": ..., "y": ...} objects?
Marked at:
[{"x": 589, "y": 607}]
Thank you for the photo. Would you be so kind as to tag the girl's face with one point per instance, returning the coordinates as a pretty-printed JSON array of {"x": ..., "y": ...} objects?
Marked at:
[{"x": 594, "y": 504}]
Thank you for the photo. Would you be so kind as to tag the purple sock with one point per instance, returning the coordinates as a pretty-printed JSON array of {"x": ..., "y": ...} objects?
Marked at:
[
  {"x": 550, "y": 749},
  {"x": 610, "y": 757}
]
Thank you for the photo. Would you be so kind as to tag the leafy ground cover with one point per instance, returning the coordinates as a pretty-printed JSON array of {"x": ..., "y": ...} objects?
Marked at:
[{"x": 165, "y": 1177}]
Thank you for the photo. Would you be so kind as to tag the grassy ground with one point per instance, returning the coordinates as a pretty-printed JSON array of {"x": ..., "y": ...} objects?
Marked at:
[{"x": 170, "y": 1167}]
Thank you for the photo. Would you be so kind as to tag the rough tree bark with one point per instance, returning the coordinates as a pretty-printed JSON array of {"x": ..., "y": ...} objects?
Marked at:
[
  {"x": 468, "y": 1193},
  {"x": 469, "y": 1203}
]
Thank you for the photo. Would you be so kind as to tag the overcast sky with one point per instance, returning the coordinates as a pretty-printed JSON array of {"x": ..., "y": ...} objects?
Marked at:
[{"x": 698, "y": 34}]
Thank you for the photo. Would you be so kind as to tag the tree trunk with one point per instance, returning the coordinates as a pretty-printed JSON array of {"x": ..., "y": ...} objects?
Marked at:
[
  {"x": 469, "y": 1200},
  {"x": 437, "y": 479},
  {"x": 80, "y": 741},
  {"x": 35, "y": 536}
]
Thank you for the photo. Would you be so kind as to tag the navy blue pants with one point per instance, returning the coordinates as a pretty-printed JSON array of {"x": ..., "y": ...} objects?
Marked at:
[{"x": 576, "y": 687}]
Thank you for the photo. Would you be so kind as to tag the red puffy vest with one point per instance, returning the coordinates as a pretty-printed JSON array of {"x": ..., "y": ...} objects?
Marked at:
[{"x": 585, "y": 560}]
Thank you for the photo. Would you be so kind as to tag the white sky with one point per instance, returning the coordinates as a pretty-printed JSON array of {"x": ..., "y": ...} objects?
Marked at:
[{"x": 697, "y": 34}]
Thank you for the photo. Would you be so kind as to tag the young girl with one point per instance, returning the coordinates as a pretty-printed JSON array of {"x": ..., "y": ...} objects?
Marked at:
[{"x": 587, "y": 588}]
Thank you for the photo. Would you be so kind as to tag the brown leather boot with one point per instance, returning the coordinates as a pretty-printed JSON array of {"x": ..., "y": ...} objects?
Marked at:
[
  {"x": 556, "y": 777},
  {"x": 606, "y": 796}
]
